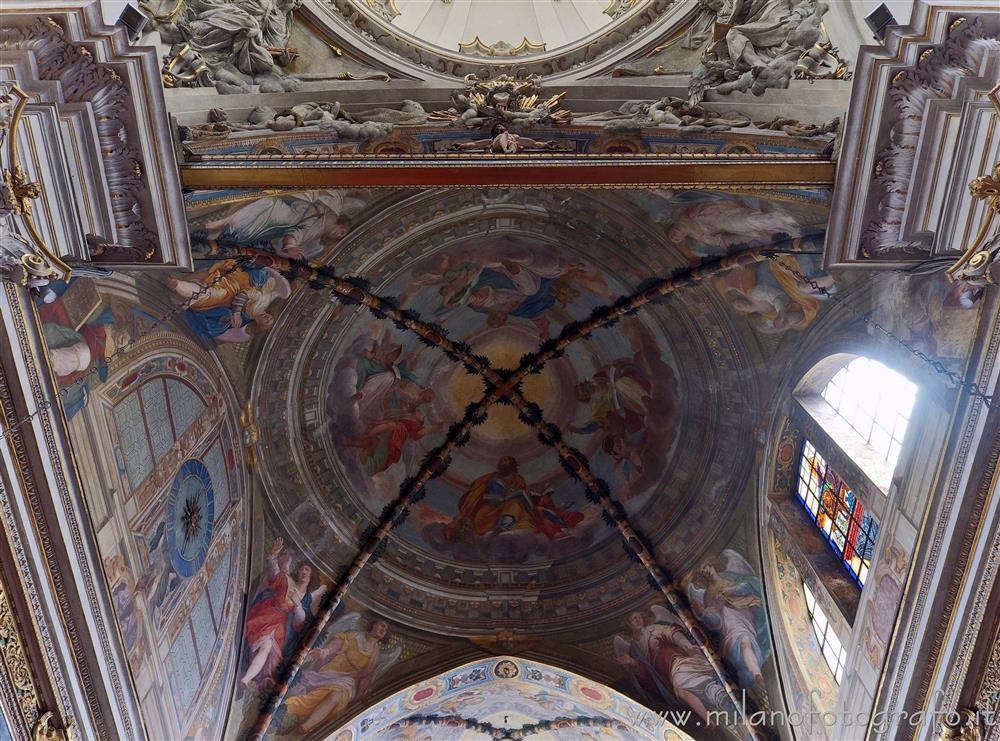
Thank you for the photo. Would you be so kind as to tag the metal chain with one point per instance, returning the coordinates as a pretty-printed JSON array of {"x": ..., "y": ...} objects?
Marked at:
[
  {"x": 239, "y": 262},
  {"x": 970, "y": 387}
]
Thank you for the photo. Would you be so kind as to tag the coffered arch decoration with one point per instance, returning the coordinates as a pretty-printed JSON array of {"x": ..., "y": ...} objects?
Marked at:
[{"x": 158, "y": 447}]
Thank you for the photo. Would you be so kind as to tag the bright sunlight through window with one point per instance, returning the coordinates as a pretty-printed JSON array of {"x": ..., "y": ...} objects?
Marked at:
[
  {"x": 833, "y": 650},
  {"x": 875, "y": 401}
]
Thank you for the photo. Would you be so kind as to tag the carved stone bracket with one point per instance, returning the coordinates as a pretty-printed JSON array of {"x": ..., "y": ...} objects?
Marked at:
[
  {"x": 89, "y": 100},
  {"x": 918, "y": 131}
]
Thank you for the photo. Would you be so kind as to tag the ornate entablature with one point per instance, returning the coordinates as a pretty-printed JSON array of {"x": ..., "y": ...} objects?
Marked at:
[
  {"x": 89, "y": 173},
  {"x": 922, "y": 127}
]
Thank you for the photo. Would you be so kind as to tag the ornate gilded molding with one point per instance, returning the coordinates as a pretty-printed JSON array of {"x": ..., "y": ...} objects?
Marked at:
[
  {"x": 976, "y": 265},
  {"x": 515, "y": 103},
  {"x": 963, "y": 725},
  {"x": 43, "y": 730},
  {"x": 822, "y": 61},
  {"x": 16, "y": 663},
  {"x": 24, "y": 257}
]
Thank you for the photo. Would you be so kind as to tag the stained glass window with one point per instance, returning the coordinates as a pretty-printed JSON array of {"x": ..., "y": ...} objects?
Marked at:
[
  {"x": 832, "y": 649},
  {"x": 838, "y": 512},
  {"x": 876, "y": 402}
]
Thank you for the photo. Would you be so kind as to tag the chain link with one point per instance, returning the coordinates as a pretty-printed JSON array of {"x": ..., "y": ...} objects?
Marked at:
[
  {"x": 239, "y": 262},
  {"x": 970, "y": 387}
]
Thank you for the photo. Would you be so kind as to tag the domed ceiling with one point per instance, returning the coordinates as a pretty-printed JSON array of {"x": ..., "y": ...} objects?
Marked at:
[
  {"x": 503, "y": 28},
  {"x": 648, "y": 403},
  {"x": 453, "y": 38},
  {"x": 434, "y": 382}
]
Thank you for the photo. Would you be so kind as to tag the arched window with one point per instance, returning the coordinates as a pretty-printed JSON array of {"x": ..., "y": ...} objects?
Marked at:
[
  {"x": 854, "y": 413},
  {"x": 876, "y": 402},
  {"x": 833, "y": 650}
]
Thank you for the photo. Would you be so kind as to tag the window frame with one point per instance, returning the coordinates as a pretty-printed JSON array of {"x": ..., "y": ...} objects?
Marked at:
[
  {"x": 846, "y": 498},
  {"x": 875, "y": 420},
  {"x": 841, "y": 434},
  {"x": 823, "y": 635},
  {"x": 137, "y": 392}
]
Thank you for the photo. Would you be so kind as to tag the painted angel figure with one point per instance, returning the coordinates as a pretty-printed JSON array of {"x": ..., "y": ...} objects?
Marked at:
[
  {"x": 618, "y": 398},
  {"x": 299, "y": 225},
  {"x": 283, "y": 604},
  {"x": 230, "y": 304},
  {"x": 666, "y": 665},
  {"x": 354, "y": 655},
  {"x": 727, "y": 596}
]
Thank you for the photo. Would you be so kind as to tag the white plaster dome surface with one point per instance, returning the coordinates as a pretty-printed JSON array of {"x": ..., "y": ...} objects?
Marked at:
[{"x": 454, "y": 25}]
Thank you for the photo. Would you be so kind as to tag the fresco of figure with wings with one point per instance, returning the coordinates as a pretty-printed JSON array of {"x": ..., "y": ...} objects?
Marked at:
[
  {"x": 514, "y": 284},
  {"x": 354, "y": 655},
  {"x": 389, "y": 402},
  {"x": 284, "y": 602},
  {"x": 665, "y": 665},
  {"x": 728, "y": 598}
]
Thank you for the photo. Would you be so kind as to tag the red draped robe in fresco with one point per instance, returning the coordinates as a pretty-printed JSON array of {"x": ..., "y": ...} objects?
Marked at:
[{"x": 268, "y": 620}]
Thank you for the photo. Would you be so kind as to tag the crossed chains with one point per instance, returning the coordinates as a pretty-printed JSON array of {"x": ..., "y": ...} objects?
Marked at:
[
  {"x": 505, "y": 386},
  {"x": 502, "y": 386}
]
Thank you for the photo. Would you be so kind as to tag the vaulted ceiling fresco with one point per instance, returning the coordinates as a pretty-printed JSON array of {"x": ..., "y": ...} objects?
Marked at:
[
  {"x": 484, "y": 423},
  {"x": 504, "y": 548},
  {"x": 459, "y": 460}
]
